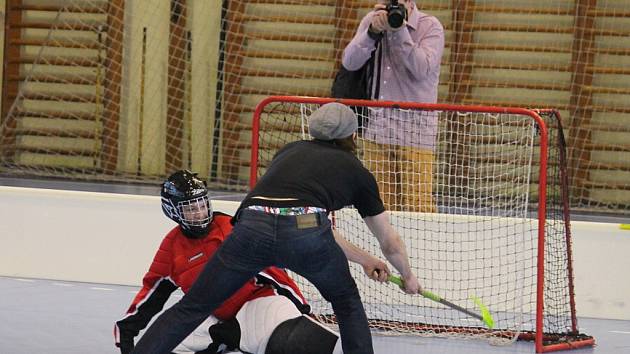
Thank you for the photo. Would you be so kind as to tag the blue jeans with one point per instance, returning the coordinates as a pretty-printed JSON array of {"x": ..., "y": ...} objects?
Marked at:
[{"x": 258, "y": 241}]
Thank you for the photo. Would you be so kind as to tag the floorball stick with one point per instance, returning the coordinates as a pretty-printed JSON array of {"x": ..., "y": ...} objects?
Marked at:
[{"x": 485, "y": 316}]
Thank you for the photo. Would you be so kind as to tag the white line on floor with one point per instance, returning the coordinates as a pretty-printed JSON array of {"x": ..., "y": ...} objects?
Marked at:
[
  {"x": 25, "y": 280},
  {"x": 106, "y": 289},
  {"x": 620, "y": 332},
  {"x": 62, "y": 284}
]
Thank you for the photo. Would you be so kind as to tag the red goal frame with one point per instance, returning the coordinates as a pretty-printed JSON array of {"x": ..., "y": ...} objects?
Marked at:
[{"x": 538, "y": 336}]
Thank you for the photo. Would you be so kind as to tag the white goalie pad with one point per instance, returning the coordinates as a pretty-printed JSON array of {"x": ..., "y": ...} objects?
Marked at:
[
  {"x": 199, "y": 339},
  {"x": 260, "y": 317}
]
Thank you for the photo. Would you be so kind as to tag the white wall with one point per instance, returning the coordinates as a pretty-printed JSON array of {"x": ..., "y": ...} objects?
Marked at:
[
  {"x": 111, "y": 238},
  {"x": 602, "y": 270},
  {"x": 81, "y": 236}
]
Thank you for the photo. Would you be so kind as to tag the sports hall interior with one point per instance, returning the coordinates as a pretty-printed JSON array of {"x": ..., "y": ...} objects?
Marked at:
[{"x": 102, "y": 99}]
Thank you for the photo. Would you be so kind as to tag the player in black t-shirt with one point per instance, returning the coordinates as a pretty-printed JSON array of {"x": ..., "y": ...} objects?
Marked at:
[{"x": 283, "y": 222}]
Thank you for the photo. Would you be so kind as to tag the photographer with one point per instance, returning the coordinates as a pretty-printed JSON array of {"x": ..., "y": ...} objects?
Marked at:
[{"x": 399, "y": 145}]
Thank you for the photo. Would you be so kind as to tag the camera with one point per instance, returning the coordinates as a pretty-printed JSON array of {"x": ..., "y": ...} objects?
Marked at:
[{"x": 396, "y": 14}]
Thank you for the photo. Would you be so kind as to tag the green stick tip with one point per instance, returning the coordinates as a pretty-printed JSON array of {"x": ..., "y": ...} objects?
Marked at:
[{"x": 485, "y": 313}]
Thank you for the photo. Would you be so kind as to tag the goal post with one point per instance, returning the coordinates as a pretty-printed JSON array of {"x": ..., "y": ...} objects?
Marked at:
[{"x": 497, "y": 229}]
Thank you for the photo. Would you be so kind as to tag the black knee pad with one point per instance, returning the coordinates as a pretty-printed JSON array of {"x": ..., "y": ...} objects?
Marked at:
[
  {"x": 301, "y": 335},
  {"x": 224, "y": 334}
]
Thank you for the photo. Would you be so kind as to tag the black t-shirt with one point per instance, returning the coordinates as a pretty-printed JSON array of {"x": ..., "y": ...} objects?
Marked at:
[{"x": 320, "y": 174}]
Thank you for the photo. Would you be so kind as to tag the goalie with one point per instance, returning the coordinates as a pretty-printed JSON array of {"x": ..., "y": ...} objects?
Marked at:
[{"x": 268, "y": 315}]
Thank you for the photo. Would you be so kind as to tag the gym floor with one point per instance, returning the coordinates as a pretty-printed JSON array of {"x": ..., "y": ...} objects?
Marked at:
[{"x": 55, "y": 317}]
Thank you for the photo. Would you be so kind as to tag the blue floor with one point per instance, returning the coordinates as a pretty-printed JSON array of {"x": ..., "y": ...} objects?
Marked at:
[{"x": 55, "y": 317}]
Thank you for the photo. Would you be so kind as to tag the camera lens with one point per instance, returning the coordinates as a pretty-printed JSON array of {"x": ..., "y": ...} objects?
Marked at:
[
  {"x": 395, "y": 14},
  {"x": 395, "y": 18}
]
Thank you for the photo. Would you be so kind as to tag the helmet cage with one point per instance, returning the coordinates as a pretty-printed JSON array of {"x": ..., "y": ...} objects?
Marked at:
[{"x": 190, "y": 209}]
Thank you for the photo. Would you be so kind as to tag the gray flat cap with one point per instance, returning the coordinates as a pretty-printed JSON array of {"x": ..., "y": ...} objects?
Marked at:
[{"x": 332, "y": 121}]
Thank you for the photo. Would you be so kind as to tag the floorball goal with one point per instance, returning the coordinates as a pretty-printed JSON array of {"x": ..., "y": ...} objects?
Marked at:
[{"x": 480, "y": 200}]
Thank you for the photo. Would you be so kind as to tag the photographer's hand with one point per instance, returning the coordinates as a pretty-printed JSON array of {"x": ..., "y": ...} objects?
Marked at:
[
  {"x": 379, "y": 19},
  {"x": 379, "y": 23}
]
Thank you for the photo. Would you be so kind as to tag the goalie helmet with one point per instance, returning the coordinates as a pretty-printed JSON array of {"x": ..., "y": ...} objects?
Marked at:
[{"x": 185, "y": 201}]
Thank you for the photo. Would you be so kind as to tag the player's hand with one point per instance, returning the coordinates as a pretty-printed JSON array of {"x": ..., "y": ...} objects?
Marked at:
[
  {"x": 412, "y": 286},
  {"x": 379, "y": 19},
  {"x": 376, "y": 270}
]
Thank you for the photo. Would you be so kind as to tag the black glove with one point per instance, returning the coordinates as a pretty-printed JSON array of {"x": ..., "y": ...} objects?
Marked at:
[{"x": 126, "y": 346}]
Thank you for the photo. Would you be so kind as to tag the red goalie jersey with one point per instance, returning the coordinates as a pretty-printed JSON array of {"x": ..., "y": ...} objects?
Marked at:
[{"x": 178, "y": 262}]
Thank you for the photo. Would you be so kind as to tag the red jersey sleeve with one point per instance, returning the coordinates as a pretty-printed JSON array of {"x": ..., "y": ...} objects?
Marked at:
[{"x": 157, "y": 286}]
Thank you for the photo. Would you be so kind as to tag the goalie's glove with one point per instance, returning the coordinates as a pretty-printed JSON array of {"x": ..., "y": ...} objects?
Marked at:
[{"x": 126, "y": 345}]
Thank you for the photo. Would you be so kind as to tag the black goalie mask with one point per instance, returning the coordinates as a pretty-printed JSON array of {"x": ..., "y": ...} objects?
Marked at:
[{"x": 185, "y": 201}]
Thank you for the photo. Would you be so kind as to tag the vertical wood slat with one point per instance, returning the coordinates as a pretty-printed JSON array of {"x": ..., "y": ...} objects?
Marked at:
[
  {"x": 10, "y": 87},
  {"x": 461, "y": 51},
  {"x": 178, "y": 45},
  {"x": 234, "y": 42},
  {"x": 580, "y": 106},
  {"x": 346, "y": 23},
  {"x": 459, "y": 89},
  {"x": 112, "y": 85}
]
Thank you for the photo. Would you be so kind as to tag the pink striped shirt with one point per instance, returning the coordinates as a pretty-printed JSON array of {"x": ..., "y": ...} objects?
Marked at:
[{"x": 410, "y": 71}]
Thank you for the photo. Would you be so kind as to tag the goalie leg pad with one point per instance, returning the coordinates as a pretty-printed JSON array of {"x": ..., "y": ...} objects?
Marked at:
[
  {"x": 258, "y": 319},
  {"x": 301, "y": 335}
]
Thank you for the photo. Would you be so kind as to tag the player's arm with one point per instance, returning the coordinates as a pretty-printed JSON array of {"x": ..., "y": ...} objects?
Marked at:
[
  {"x": 157, "y": 287},
  {"x": 423, "y": 57},
  {"x": 393, "y": 249},
  {"x": 372, "y": 266},
  {"x": 360, "y": 48},
  {"x": 147, "y": 304}
]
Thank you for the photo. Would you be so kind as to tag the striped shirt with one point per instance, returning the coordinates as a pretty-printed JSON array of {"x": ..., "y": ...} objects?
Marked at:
[{"x": 410, "y": 70}]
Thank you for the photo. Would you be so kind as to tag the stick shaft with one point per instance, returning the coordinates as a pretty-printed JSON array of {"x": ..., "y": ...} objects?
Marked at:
[
  {"x": 461, "y": 309},
  {"x": 437, "y": 298}
]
